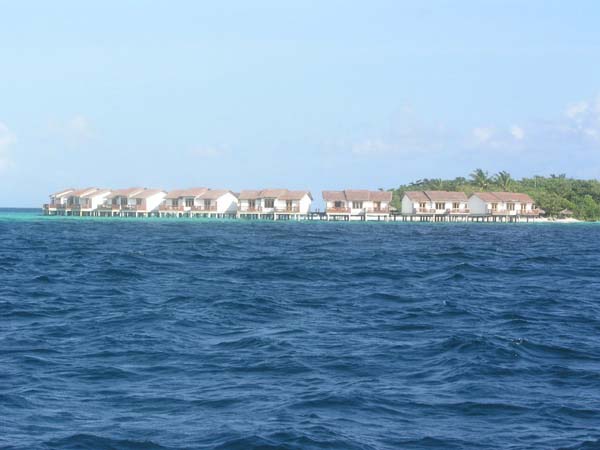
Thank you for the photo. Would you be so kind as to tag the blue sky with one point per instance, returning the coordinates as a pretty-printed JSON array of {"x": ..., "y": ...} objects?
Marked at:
[{"x": 299, "y": 94}]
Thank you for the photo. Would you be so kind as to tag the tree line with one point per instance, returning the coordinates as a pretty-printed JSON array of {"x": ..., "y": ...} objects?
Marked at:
[{"x": 555, "y": 194}]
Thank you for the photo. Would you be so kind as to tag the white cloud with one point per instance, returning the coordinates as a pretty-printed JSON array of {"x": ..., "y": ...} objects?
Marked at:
[
  {"x": 370, "y": 146},
  {"x": 79, "y": 127},
  {"x": 576, "y": 109},
  {"x": 7, "y": 139},
  {"x": 405, "y": 135},
  {"x": 517, "y": 132},
  {"x": 483, "y": 135},
  {"x": 75, "y": 130},
  {"x": 577, "y": 129},
  {"x": 583, "y": 120},
  {"x": 574, "y": 130},
  {"x": 208, "y": 152},
  {"x": 491, "y": 137}
]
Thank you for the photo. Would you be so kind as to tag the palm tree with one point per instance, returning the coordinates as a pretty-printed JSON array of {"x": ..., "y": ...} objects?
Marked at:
[
  {"x": 504, "y": 180},
  {"x": 436, "y": 183},
  {"x": 480, "y": 178}
]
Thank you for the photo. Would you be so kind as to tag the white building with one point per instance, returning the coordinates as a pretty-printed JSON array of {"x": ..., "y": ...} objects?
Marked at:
[
  {"x": 434, "y": 203},
  {"x": 77, "y": 202},
  {"x": 502, "y": 204},
  {"x": 274, "y": 204},
  {"x": 216, "y": 203},
  {"x": 180, "y": 201},
  {"x": 147, "y": 201},
  {"x": 58, "y": 202},
  {"x": 132, "y": 202},
  {"x": 88, "y": 202},
  {"x": 119, "y": 200},
  {"x": 357, "y": 204}
]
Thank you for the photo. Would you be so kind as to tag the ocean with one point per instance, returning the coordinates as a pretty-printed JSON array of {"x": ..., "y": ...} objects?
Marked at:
[{"x": 216, "y": 334}]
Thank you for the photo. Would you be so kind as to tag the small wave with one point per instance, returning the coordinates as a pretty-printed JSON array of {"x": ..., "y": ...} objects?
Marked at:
[
  {"x": 43, "y": 279},
  {"x": 289, "y": 440},
  {"x": 254, "y": 342},
  {"x": 93, "y": 442},
  {"x": 587, "y": 445}
]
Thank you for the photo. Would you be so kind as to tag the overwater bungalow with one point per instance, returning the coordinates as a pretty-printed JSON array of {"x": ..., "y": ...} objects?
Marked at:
[
  {"x": 58, "y": 202},
  {"x": 438, "y": 205},
  {"x": 498, "y": 204},
  {"x": 178, "y": 202},
  {"x": 274, "y": 204},
  {"x": 357, "y": 204},
  {"x": 284, "y": 204},
  {"x": 75, "y": 202},
  {"x": 216, "y": 203},
  {"x": 87, "y": 203},
  {"x": 132, "y": 202}
]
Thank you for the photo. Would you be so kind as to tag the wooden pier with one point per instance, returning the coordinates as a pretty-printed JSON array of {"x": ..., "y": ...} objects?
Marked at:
[{"x": 392, "y": 216}]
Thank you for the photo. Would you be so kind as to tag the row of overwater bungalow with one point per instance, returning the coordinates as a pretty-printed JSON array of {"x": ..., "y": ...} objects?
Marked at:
[{"x": 284, "y": 204}]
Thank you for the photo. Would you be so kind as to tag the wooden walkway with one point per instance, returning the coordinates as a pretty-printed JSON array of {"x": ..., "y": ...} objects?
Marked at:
[{"x": 311, "y": 216}]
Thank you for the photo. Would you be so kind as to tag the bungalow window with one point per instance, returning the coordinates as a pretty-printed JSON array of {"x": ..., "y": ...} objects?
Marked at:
[
  {"x": 456, "y": 205},
  {"x": 189, "y": 202},
  {"x": 357, "y": 205},
  {"x": 289, "y": 205},
  {"x": 269, "y": 202},
  {"x": 338, "y": 204},
  {"x": 523, "y": 206},
  {"x": 206, "y": 204},
  {"x": 174, "y": 202},
  {"x": 422, "y": 205},
  {"x": 494, "y": 206},
  {"x": 251, "y": 204},
  {"x": 510, "y": 206},
  {"x": 138, "y": 201},
  {"x": 377, "y": 206},
  {"x": 440, "y": 205}
]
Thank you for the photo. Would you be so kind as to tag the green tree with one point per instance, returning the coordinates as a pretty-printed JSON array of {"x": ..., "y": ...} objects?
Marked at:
[
  {"x": 503, "y": 180},
  {"x": 551, "y": 203},
  {"x": 437, "y": 184},
  {"x": 588, "y": 209},
  {"x": 552, "y": 193},
  {"x": 480, "y": 178}
]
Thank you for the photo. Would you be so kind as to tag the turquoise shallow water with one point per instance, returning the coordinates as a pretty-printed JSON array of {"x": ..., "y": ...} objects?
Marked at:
[{"x": 133, "y": 334}]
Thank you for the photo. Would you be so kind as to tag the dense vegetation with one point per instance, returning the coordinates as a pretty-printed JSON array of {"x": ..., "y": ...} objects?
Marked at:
[{"x": 553, "y": 194}]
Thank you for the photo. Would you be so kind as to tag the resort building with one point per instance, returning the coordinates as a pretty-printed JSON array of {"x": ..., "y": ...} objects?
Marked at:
[
  {"x": 132, "y": 202},
  {"x": 502, "y": 204},
  {"x": 75, "y": 202},
  {"x": 274, "y": 204},
  {"x": 217, "y": 203},
  {"x": 283, "y": 204},
  {"x": 58, "y": 202},
  {"x": 180, "y": 201},
  {"x": 357, "y": 205},
  {"x": 85, "y": 204},
  {"x": 436, "y": 203}
]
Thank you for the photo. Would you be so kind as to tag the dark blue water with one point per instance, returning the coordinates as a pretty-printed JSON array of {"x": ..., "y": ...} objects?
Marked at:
[{"x": 158, "y": 334}]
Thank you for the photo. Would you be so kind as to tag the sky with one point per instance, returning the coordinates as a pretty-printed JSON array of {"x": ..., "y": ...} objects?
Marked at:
[{"x": 295, "y": 94}]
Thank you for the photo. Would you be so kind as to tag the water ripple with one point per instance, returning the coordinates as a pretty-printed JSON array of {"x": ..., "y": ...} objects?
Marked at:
[{"x": 163, "y": 334}]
